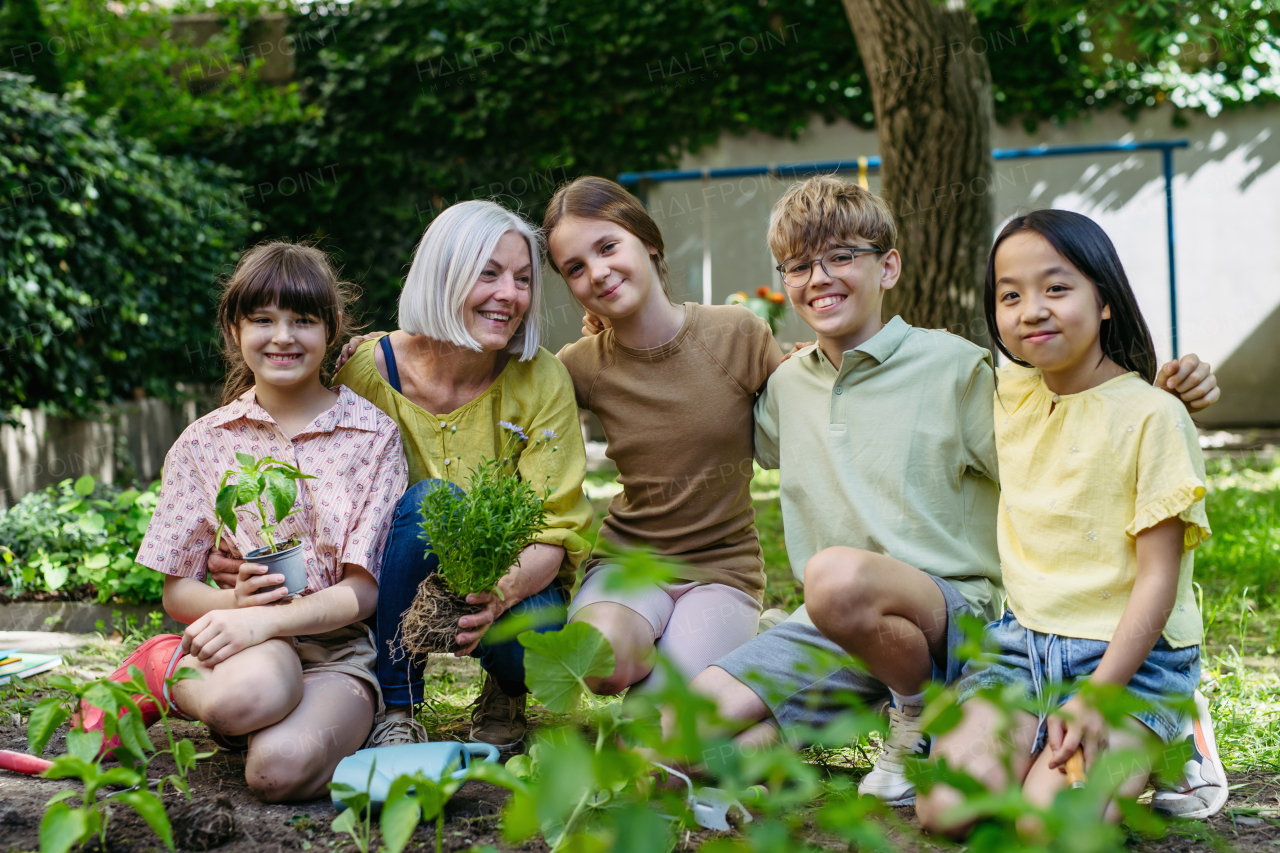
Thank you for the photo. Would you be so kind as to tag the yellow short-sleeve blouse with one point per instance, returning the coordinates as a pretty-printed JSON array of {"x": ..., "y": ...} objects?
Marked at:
[
  {"x": 1080, "y": 476},
  {"x": 538, "y": 396}
]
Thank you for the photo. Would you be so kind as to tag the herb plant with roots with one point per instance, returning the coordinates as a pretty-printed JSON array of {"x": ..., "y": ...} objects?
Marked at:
[{"x": 477, "y": 537}]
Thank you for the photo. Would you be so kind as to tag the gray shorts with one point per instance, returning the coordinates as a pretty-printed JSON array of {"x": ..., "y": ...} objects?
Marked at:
[{"x": 806, "y": 680}]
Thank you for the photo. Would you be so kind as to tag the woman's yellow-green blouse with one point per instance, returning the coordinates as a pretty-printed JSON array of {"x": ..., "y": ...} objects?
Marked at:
[
  {"x": 536, "y": 395},
  {"x": 1081, "y": 475}
]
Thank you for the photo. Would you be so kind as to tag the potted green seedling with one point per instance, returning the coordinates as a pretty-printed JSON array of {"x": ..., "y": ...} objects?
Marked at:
[
  {"x": 477, "y": 536},
  {"x": 278, "y": 482}
]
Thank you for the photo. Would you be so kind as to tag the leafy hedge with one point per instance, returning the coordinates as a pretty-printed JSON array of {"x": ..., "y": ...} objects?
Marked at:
[
  {"x": 76, "y": 534},
  {"x": 426, "y": 102},
  {"x": 420, "y": 103},
  {"x": 109, "y": 254}
]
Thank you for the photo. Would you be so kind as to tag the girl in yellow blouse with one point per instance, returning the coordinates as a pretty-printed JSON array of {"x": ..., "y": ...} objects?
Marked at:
[{"x": 1101, "y": 509}]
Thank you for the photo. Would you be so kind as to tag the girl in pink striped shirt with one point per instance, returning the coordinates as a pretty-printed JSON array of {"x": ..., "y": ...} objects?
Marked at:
[{"x": 291, "y": 680}]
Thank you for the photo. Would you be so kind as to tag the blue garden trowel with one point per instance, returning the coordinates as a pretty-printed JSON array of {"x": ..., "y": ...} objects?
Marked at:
[{"x": 433, "y": 760}]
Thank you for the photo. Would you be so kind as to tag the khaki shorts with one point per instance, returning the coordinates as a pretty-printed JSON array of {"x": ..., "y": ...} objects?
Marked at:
[{"x": 348, "y": 650}]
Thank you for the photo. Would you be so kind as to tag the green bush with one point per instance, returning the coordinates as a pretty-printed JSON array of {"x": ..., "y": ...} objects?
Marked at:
[
  {"x": 109, "y": 254},
  {"x": 128, "y": 62},
  {"x": 80, "y": 533}
]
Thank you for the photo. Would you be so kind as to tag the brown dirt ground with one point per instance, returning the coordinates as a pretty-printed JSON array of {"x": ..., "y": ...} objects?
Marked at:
[{"x": 473, "y": 814}]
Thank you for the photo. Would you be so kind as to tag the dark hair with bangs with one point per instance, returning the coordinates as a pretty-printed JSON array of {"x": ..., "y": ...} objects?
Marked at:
[
  {"x": 293, "y": 276},
  {"x": 1125, "y": 338}
]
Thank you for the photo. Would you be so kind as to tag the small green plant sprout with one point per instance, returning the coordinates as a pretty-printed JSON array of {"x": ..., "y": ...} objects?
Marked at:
[
  {"x": 64, "y": 826},
  {"x": 256, "y": 477},
  {"x": 412, "y": 799},
  {"x": 356, "y": 819}
]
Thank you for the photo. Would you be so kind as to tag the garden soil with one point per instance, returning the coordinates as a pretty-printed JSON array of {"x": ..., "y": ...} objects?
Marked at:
[{"x": 225, "y": 816}]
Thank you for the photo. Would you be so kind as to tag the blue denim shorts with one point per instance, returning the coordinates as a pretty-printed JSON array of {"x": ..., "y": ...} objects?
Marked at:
[{"x": 1041, "y": 663}]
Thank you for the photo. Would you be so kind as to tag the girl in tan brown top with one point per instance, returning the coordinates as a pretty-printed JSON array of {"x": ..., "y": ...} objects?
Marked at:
[{"x": 673, "y": 386}]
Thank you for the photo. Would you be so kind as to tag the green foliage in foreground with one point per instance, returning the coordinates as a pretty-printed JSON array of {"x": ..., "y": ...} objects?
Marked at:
[
  {"x": 109, "y": 254},
  {"x": 80, "y": 533},
  {"x": 65, "y": 826}
]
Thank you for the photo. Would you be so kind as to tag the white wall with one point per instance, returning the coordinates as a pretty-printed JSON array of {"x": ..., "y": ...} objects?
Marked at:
[{"x": 1227, "y": 226}]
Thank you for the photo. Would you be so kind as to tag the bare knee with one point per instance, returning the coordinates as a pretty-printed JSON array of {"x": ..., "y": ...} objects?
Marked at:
[
  {"x": 837, "y": 592},
  {"x": 630, "y": 636},
  {"x": 735, "y": 701},
  {"x": 246, "y": 703},
  {"x": 285, "y": 766}
]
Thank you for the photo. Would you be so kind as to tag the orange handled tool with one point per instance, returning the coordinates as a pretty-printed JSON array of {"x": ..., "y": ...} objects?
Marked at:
[
  {"x": 1075, "y": 769},
  {"x": 20, "y": 762}
]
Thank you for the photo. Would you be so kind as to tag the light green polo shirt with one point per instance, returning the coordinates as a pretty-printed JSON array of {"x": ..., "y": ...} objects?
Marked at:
[{"x": 893, "y": 452}]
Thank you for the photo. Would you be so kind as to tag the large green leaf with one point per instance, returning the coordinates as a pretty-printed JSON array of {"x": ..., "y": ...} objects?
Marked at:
[
  {"x": 557, "y": 662},
  {"x": 152, "y": 810},
  {"x": 84, "y": 486},
  {"x": 93, "y": 523},
  {"x": 248, "y": 489},
  {"x": 55, "y": 575},
  {"x": 61, "y": 828},
  {"x": 400, "y": 815},
  {"x": 225, "y": 506},
  {"x": 281, "y": 492},
  {"x": 43, "y": 722},
  {"x": 84, "y": 745}
]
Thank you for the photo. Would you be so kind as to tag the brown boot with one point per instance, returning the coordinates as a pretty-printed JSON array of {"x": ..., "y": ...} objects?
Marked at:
[{"x": 498, "y": 719}]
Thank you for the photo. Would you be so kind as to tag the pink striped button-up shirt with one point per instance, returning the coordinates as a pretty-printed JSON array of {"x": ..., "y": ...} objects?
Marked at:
[{"x": 354, "y": 452}]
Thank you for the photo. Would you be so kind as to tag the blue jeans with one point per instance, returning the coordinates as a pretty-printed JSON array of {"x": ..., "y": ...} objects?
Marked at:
[
  {"x": 405, "y": 564},
  {"x": 1048, "y": 665}
]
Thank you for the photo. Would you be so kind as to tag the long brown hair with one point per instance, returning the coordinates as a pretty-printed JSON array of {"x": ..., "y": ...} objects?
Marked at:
[
  {"x": 600, "y": 198},
  {"x": 292, "y": 276}
]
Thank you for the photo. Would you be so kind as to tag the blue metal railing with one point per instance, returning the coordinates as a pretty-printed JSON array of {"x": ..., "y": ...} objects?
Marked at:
[{"x": 795, "y": 170}]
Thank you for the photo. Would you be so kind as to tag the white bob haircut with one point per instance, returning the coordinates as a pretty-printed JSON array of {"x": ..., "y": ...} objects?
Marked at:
[{"x": 446, "y": 266}]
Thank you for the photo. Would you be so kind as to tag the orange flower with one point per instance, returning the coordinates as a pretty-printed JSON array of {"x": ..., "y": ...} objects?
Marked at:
[
  {"x": 777, "y": 298},
  {"x": 762, "y": 292}
]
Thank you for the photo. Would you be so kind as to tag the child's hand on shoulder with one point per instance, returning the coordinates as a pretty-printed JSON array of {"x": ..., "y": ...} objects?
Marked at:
[
  {"x": 249, "y": 585},
  {"x": 349, "y": 349},
  {"x": 1192, "y": 380},
  {"x": 593, "y": 324},
  {"x": 1076, "y": 725},
  {"x": 795, "y": 349}
]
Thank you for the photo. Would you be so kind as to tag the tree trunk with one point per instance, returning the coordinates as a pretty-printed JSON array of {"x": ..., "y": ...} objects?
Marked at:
[{"x": 931, "y": 86}]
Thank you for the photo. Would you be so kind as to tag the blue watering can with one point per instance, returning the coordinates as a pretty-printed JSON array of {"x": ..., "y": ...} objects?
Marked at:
[{"x": 433, "y": 760}]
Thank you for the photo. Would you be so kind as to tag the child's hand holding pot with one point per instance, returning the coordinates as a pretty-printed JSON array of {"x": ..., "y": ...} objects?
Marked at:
[
  {"x": 224, "y": 568},
  {"x": 250, "y": 582}
]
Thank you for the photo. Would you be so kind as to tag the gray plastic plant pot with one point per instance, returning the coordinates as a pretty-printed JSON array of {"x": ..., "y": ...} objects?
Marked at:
[{"x": 291, "y": 563}]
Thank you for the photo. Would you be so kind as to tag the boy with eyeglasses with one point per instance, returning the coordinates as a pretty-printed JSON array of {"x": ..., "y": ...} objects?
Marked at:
[{"x": 884, "y": 437}]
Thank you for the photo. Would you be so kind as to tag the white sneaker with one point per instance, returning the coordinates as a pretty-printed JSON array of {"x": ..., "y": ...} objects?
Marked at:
[
  {"x": 887, "y": 781},
  {"x": 771, "y": 617},
  {"x": 1202, "y": 792},
  {"x": 396, "y": 728}
]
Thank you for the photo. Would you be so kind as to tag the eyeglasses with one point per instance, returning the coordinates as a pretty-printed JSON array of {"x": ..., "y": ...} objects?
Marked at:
[{"x": 836, "y": 263}]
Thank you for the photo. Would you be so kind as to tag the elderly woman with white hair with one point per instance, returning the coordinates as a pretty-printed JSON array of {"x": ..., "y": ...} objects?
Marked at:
[{"x": 466, "y": 357}]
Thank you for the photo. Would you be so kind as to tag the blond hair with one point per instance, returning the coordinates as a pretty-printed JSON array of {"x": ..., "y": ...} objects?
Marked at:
[
  {"x": 823, "y": 212},
  {"x": 448, "y": 263}
]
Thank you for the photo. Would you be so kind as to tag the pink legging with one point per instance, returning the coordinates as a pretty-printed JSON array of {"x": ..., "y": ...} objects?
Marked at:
[{"x": 695, "y": 624}]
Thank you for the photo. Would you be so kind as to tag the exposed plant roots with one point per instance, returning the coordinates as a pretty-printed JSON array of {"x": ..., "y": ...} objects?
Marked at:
[{"x": 430, "y": 625}]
